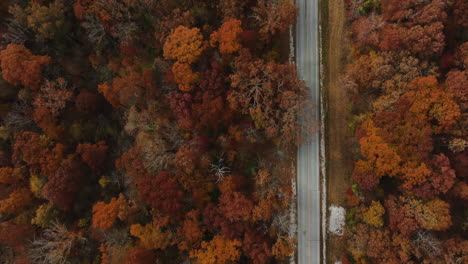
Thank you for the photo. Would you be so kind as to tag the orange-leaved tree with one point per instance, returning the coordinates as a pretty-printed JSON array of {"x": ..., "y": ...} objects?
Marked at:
[
  {"x": 184, "y": 45},
  {"x": 184, "y": 76},
  {"x": 153, "y": 235},
  {"x": 16, "y": 202},
  {"x": 20, "y": 67},
  {"x": 218, "y": 250},
  {"x": 227, "y": 37},
  {"x": 105, "y": 215}
]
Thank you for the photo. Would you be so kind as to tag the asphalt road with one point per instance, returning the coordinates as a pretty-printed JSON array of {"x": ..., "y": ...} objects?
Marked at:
[{"x": 308, "y": 156}]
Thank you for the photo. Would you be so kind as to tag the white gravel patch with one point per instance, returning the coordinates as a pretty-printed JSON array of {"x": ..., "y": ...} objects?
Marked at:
[{"x": 337, "y": 220}]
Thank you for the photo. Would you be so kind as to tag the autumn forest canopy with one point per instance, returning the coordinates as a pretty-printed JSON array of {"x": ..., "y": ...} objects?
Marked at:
[
  {"x": 148, "y": 131},
  {"x": 408, "y": 80}
]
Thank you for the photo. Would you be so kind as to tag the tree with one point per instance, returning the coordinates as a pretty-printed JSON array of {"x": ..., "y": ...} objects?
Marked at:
[
  {"x": 381, "y": 158},
  {"x": 460, "y": 9},
  {"x": 408, "y": 215},
  {"x": 209, "y": 106},
  {"x": 46, "y": 21},
  {"x": 227, "y": 37},
  {"x": 175, "y": 18},
  {"x": 184, "y": 45},
  {"x": 357, "y": 243},
  {"x": 124, "y": 91},
  {"x": 191, "y": 231},
  {"x": 263, "y": 210},
  {"x": 152, "y": 236},
  {"x": 162, "y": 193},
  {"x": 373, "y": 214},
  {"x": 274, "y": 16},
  {"x": 235, "y": 206},
  {"x": 427, "y": 244},
  {"x": 53, "y": 96},
  {"x": 48, "y": 123},
  {"x": 16, "y": 60},
  {"x": 434, "y": 215},
  {"x": 218, "y": 250},
  {"x": 401, "y": 218},
  {"x": 184, "y": 76},
  {"x": 417, "y": 12},
  {"x": 16, "y": 202},
  {"x": 456, "y": 250},
  {"x": 86, "y": 102},
  {"x": 16, "y": 236},
  {"x": 433, "y": 102},
  {"x": 441, "y": 179},
  {"x": 94, "y": 155},
  {"x": 457, "y": 82},
  {"x": 282, "y": 248},
  {"x": 10, "y": 175},
  {"x": 105, "y": 215},
  {"x": 38, "y": 152},
  {"x": 414, "y": 26},
  {"x": 271, "y": 94},
  {"x": 55, "y": 245},
  {"x": 366, "y": 30},
  {"x": 214, "y": 221},
  {"x": 139, "y": 255},
  {"x": 231, "y": 9},
  {"x": 64, "y": 185},
  {"x": 181, "y": 106},
  {"x": 45, "y": 214},
  {"x": 256, "y": 246}
]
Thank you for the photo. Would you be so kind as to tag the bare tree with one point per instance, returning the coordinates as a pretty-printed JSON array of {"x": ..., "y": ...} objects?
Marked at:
[
  {"x": 219, "y": 168},
  {"x": 17, "y": 34},
  {"x": 19, "y": 117},
  {"x": 125, "y": 31},
  {"x": 95, "y": 32},
  {"x": 281, "y": 222},
  {"x": 55, "y": 246},
  {"x": 427, "y": 243}
]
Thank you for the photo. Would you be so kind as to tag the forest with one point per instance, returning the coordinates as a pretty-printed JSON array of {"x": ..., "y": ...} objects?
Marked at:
[
  {"x": 408, "y": 80},
  {"x": 165, "y": 131}
]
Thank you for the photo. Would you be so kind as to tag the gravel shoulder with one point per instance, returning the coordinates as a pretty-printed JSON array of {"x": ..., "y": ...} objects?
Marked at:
[{"x": 335, "y": 47}]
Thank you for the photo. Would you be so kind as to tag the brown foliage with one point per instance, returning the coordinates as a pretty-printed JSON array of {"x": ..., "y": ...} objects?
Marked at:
[
  {"x": 48, "y": 123},
  {"x": 235, "y": 206},
  {"x": 86, "y": 102},
  {"x": 16, "y": 202},
  {"x": 275, "y": 16},
  {"x": 161, "y": 192},
  {"x": 139, "y": 255},
  {"x": 38, "y": 152},
  {"x": 270, "y": 93},
  {"x": 94, "y": 155},
  {"x": 124, "y": 91},
  {"x": 191, "y": 231},
  {"x": 64, "y": 185}
]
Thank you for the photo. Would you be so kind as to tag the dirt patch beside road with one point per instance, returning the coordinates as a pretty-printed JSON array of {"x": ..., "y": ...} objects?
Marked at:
[{"x": 335, "y": 48}]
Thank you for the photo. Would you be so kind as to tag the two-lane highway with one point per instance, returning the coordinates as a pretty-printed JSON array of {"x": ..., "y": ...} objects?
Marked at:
[{"x": 308, "y": 156}]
